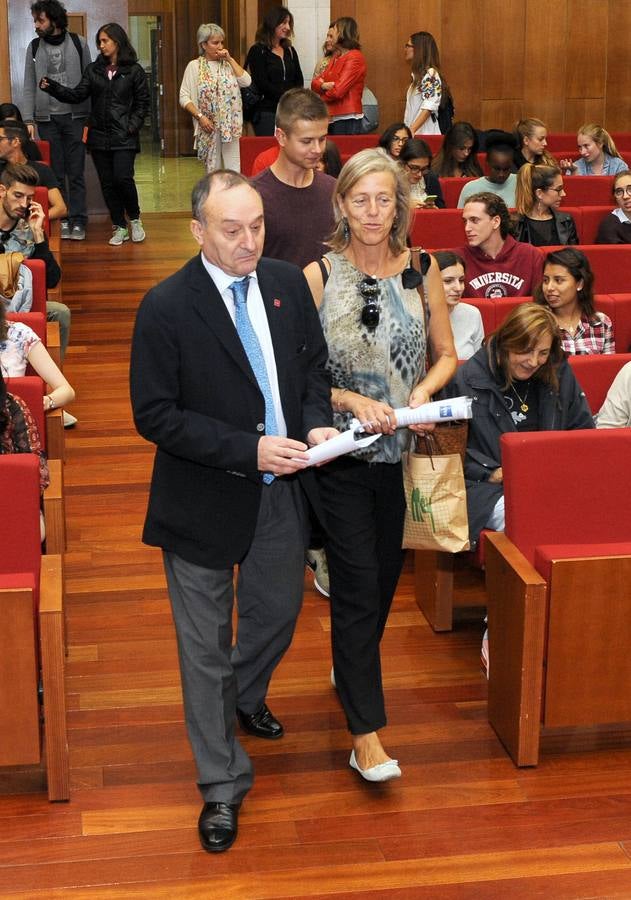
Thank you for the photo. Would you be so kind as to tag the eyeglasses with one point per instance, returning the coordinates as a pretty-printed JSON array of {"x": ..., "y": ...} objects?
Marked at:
[
  {"x": 623, "y": 191},
  {"x": 369, "y": 289},
  {"x": 559, "y": 190},
  {"x": 417, "y": 170},
  {"x": 399, "y": 140}
]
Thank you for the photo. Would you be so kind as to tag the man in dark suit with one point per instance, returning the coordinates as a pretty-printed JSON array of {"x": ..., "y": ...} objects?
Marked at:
[{"x": 228, "y": 379}]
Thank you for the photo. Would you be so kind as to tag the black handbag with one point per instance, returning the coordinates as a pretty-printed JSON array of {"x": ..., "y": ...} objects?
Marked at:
[{"x": 251, "y": 98}]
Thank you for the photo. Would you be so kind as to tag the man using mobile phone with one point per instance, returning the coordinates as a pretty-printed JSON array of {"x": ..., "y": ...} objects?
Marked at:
[{"x": 22, "y": 231}]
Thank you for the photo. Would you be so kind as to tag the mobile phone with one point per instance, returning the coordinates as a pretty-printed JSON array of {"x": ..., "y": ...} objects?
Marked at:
[
  {"x": 431, "y": 196},
  {"x": 27, "y": 212}
]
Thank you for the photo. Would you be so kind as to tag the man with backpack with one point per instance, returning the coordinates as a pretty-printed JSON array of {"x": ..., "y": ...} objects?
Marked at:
[{"x": 62, "y": 55}]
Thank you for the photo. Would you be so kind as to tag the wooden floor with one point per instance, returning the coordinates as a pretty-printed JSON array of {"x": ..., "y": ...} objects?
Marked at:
[{"x": 463, "y": 822}]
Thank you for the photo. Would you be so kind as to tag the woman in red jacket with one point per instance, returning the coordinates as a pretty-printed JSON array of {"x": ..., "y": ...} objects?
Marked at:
[{"x": 342, "y": 83}]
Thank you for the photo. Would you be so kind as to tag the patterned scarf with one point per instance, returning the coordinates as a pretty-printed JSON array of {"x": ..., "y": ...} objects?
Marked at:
[{"x": 220, "y": 101}]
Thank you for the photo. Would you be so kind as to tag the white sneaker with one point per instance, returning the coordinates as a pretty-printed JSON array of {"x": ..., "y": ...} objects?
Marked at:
[
  {"x": 137, "y": 231},
  {"x": 69, "y": 419},
  {"x": 119, "y": 236},
  {"x": 316, "y": 560},
  {"x": 65, "y": 229}
]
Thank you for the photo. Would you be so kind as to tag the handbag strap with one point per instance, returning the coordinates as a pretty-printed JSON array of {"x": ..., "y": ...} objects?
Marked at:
[{"x": 420, "y": 261}]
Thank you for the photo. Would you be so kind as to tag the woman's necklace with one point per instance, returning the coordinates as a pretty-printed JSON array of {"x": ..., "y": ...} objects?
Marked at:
[{"x": 522, "y": 400}]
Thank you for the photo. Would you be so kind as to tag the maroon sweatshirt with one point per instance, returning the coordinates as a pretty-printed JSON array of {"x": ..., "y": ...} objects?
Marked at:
[{"x": 514, "y": 272}]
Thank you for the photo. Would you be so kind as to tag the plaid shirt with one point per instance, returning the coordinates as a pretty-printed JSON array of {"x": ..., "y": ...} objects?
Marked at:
[{"x": 592, "y": 336}]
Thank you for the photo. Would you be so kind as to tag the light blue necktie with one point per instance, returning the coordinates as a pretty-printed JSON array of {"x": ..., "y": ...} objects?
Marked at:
[{"x": 254, "y": 354}]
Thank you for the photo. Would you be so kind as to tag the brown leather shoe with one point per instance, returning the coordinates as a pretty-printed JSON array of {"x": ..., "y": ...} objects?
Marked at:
[
  {"x": 218, "y": 826},
  {"x": 261, "y": 724}
]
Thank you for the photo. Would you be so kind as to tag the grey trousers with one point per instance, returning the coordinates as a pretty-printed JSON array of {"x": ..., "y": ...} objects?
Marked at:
[{"x": 217, "y": 676}]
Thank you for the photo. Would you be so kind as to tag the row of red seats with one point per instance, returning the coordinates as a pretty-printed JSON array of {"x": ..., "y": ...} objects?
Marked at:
[
  {"x": 560, "y": 145},
  {"x": 444, "y": 228},
  {"x": 616, "y": 305}
]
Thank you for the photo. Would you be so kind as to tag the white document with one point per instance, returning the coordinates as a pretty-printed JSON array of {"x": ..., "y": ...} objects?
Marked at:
[{"x": 357, "y": 438}]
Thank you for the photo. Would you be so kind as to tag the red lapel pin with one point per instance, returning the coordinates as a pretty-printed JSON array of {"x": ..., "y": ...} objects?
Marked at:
[{"x": 277, "y": 304}]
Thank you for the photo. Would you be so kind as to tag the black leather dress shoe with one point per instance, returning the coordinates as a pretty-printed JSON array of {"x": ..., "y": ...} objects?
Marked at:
[
  {"x": 261, "y": 724},
  {"x": 218, "y": 826}
]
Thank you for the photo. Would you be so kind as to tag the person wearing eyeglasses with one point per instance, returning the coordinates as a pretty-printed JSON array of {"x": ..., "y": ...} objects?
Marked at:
[
  {"x": 393, "y": 139},
  {"x": 615, "y": 228},
  {"x": 425, "y": 189},
  {"x": 366, "y": 291},
  {"x": 537, "y": 200}
]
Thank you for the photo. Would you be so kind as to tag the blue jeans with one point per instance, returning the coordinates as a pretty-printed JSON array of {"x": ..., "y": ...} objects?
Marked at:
[{"x": 67, "y": 160}]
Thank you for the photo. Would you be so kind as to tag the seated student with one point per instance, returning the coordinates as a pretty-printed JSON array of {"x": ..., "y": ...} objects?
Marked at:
[
  {"x": 599, "y": 155},
  {"x": 9, "y": 112},
  {"x": 538, "y": 198},
  {"x": 457, "y": 158},
  {"x": 567, "y": 290},
  {"x": 465, "y": 320},
  {"x": 496, "y": 264},
  {"x": 519, "y": 381},
  {"x": 501, "y": 180},
  {"x": 330, "y": 162},
  {"x": 14, "y": 138},
  {"x": 22, "y": 230},
  {"x": 425, "y": 189},
  {"x": 615, "y": 228},
  {"x": 19, "y": 347},
  {"x": 616, "y": 410},
  {"x": 393, "y": 139},
  {"x": 19, "y": 434},
  {"x": 531, "y": 136}
]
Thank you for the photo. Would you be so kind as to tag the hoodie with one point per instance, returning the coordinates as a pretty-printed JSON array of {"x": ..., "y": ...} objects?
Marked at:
[{"x": 514, "y": 272}]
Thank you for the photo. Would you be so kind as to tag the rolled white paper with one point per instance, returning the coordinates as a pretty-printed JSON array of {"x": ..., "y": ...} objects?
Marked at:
[
  {"x": 353, "y": 439},
  {"x": 438, "y": 411}
]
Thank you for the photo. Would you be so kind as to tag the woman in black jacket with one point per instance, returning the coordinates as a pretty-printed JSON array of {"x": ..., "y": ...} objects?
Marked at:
[
  {"x": 274, "y": 66},
  {"x": 117, "y": 86},
  {"x": 537, "y": 200},
  {"x": 519, "y": 381}
]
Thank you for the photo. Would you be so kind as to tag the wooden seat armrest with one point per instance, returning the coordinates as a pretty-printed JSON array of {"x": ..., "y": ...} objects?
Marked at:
[
  {"x": 52, "y": 643},
  {"x": 55, "y": 436},
  {"x": 53, "y": 342},
  {"x": 517, "y": 613},
  {"x": 54, "y": 509}
]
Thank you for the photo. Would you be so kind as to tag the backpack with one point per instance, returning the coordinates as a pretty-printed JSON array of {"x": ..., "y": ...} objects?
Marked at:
[
  {"x": 446, "y": 112},
  {"x": 75, "y": 41}
]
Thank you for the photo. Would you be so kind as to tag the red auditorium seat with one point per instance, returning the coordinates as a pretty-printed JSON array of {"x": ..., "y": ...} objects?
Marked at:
[
  {"x": 44, "y": 149},
  {"x": 30, "y": 581},
  {"x": 595, "y": 373},
  {"x": 38, "y": 270},
  {"x": 557, "y": 581},
  {"x": 587, "y": 190}
]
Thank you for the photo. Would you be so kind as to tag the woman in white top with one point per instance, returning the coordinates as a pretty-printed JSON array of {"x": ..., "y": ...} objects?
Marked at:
[
  {"x": 425, "y": 92},
  {"x": 210, "y": 92},
  {"x": 465, "y": 319},
  {"x": 616, "y": 410}
]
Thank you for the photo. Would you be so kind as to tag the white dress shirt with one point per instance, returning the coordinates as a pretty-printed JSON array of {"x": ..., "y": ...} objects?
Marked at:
[{"x": 258, "y": 318}]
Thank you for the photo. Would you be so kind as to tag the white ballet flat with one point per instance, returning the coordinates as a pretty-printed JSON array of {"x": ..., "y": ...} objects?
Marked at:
[{"x": 382, "y": 772}]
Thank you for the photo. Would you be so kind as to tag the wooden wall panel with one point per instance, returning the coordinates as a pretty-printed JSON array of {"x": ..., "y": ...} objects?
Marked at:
[
  {"x": 510, "y": 59},
  {"x": 618, "y": 99},
  {"x": 503, "y": 49},
  {"x": 545, "y": 63},
  {"x": 587, "y": 59},
  {"x": 462, "y": 58}
]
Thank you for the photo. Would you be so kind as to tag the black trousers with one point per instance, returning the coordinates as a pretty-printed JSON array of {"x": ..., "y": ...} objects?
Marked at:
[
  {"x": 115, "y": 169},
  {"x": 67, "y": 160},
  {"x": 345, "y": 126},
  {"x": 364, "y": 507}
]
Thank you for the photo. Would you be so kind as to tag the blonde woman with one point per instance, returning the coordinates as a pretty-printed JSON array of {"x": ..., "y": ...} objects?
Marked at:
[
  {"x": 373, "y": 321},
  {"x": 532, "y": 144},
  {"x": 211, "y": 93},
  {"x": 599, "y": 155}
]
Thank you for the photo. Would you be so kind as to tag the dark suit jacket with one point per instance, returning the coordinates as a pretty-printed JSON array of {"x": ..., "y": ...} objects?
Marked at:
[{"x": 195, "y": 396}]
